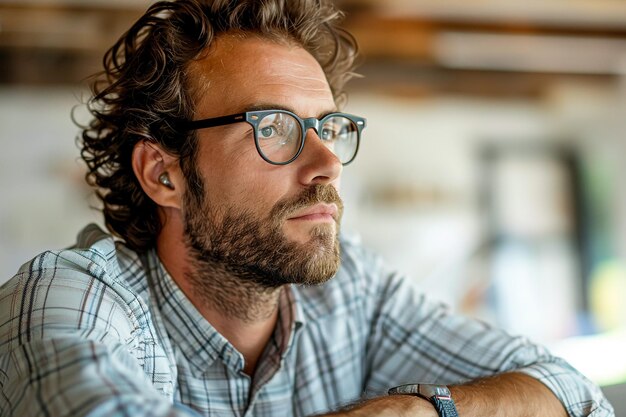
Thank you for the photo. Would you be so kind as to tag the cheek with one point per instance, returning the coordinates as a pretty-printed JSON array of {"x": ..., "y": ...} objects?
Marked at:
[
  {"x": 262, "y": 191},
  {"x": 249, "y": 188},
  {"x": 243, "y": 180}
]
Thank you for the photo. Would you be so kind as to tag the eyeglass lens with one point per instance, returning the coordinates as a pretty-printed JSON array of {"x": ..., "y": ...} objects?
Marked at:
[{"x": 279, "y": 136}]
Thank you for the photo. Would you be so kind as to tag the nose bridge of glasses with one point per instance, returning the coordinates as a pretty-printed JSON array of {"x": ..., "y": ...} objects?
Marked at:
[{"x": 309, "y": 123}]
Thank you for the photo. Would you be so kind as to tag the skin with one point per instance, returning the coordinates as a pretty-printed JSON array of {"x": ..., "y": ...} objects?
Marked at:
[{"x": 240, "y": 72}]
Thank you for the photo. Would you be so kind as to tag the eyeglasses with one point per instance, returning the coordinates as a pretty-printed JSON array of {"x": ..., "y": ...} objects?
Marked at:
[{"x": 279, "y": 135}]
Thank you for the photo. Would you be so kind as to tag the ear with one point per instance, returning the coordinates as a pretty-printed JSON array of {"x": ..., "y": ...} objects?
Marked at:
[{"x": 149, "y": 162}]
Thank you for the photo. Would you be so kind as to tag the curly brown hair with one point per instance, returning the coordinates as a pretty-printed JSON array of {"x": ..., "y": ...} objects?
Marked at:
[{"x": 145, "y": 90}]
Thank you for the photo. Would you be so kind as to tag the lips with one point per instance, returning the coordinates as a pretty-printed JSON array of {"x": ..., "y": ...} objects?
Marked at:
[{"x": 316, "y": 212}]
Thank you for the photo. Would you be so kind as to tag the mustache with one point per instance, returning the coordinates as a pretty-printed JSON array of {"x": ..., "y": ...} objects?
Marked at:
[{"x": 314, "y": 194}]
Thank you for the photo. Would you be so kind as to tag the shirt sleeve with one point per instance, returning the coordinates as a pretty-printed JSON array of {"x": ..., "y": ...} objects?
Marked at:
[
  {"x": 415, "y": 340},
  {"x": 71, "y": 344}
]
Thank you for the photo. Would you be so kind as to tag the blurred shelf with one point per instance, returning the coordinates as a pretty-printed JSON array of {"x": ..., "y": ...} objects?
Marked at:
[
  {"x": 487, "y": 47},
  {"x": 602, "y": 15},
  {"x": 65, "y": 26},
  {"x": 59, "y": 42},
  {"x": 429, "y": 45},
  {"x": 115, "y": 4}
]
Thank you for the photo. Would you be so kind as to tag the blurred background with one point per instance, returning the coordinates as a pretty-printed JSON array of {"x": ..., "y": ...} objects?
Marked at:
[{"x": 490, "y": 171}]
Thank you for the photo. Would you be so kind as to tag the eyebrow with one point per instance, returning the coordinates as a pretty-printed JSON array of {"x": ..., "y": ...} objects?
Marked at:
[{"x": 275, "y": 106}]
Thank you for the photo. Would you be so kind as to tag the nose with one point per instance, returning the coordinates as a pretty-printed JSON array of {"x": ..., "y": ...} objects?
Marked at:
[{"x": 317, "y": 163}]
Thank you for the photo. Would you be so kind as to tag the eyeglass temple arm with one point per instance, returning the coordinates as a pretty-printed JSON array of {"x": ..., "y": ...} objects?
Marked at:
[{"x": 215, "y": 121}]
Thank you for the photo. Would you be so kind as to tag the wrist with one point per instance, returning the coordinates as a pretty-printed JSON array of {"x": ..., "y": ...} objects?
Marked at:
[
  {"x": 410, "y": 406},
  {"x": 438, "y": 396}
]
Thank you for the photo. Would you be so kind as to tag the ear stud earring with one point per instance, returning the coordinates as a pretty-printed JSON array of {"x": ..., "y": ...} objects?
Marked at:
[{"x": 164, "y": 179}]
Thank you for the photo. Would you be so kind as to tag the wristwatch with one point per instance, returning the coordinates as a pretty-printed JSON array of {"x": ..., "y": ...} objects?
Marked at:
[{"x": 438, "y": 395}]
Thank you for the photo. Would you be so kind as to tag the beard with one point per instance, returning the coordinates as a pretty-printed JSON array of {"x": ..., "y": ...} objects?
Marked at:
[{"x": 238, "y": 250}]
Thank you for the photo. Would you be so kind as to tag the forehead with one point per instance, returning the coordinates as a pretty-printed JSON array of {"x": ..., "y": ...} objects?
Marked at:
[{"x": 240, "y": 72}]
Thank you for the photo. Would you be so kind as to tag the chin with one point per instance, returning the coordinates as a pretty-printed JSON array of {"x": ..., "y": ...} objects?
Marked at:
[{"x": 312, "y": 233}]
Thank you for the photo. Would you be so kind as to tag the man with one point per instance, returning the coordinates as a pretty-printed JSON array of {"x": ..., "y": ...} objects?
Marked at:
[{"x": 217, "y": 148}]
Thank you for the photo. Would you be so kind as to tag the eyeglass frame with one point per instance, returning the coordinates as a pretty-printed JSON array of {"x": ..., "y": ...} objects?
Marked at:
[{"x": 254, "y": 118}]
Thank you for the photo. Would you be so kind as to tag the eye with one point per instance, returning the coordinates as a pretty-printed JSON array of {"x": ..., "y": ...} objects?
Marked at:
[
  {"x": 329, "y": 133},
  {"x": 267, "y": 132}
]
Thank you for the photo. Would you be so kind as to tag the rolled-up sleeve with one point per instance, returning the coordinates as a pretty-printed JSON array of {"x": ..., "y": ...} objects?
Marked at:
[{"x": 413, "y": 339}]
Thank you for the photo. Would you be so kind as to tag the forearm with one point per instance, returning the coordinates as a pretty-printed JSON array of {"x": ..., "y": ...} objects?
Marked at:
[
  {"x": 430, "y": 344},
  {"x": 391, "y": 406},
  {"x": 506, "y": 395}
]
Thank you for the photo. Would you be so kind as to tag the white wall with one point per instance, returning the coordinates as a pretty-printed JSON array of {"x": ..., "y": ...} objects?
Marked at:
[{"x": 43, "y": 201}]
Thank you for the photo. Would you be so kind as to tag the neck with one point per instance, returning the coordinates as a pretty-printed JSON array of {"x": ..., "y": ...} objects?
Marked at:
[
  {"x": 244, "y": 317},
  {"x": 234, "y": 297},
  {"x": 242, "y": 311}
]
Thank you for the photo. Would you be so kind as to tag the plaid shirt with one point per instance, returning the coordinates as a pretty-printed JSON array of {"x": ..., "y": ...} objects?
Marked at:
[{"x": 98, "y": 330}]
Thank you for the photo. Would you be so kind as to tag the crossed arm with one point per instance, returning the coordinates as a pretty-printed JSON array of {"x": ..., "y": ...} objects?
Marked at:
[
  {"x": 106, "y": 386},
  {"x": 97, "y": 379},
  {"x": 505, "y": 395}
]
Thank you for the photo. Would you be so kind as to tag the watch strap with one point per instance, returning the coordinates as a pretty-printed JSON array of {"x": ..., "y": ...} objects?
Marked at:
[
  {"x": 438, "y": 395},
  {"x": 444, "y": 407}
]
